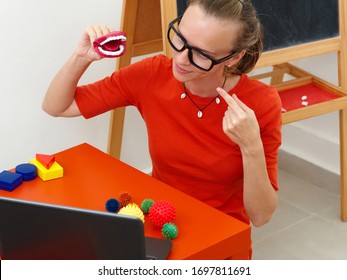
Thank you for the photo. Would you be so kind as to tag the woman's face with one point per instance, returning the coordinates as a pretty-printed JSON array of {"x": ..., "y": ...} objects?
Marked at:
[{"x": 213, "y": 37}]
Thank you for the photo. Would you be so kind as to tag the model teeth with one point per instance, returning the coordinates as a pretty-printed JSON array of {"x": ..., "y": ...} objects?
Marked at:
[
  {"x": 120, "y": 37},
  {"x": 121, "y": 49}
]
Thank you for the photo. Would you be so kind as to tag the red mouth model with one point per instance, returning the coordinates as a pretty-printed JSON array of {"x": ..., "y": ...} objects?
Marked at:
[{"x": 111, "y": 45}]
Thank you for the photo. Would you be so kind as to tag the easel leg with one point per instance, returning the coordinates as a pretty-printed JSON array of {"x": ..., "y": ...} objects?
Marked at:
[
  {"x": 142, "y": 23},
  {"x": 278, "y": 78},
  {"x": 343, "y": 161},
  {"x": 128, "y": 24}
]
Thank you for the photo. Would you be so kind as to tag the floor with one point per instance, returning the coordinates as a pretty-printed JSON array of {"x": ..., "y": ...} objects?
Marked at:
[{"x": 305, "y": 226}]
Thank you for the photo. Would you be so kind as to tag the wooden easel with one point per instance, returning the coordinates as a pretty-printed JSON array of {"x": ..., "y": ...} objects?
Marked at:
[
  {"x": 279, "y": 58},
  {"x": 146, "y": 21}
]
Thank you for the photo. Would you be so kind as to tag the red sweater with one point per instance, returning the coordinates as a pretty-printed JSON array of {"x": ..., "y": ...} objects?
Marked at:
[{"x": 189, "y": 153}]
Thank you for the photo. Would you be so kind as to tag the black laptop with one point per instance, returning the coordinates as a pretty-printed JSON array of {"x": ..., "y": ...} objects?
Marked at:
[{"x": 38, "y": 231}]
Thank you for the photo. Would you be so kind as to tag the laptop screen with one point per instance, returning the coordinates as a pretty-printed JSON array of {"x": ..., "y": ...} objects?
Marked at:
[{"x": 30, "y": 230}]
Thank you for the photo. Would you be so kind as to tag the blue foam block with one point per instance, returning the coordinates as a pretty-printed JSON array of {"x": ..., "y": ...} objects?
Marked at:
[
  {"x": 27, "y": 170},
  {"x": 10, "y": 181}
]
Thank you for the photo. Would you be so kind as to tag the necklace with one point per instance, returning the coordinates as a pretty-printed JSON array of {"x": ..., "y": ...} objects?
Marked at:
[{"x": 201, "y": 109}]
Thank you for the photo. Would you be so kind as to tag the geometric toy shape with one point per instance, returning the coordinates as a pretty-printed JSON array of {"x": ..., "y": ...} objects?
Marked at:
[
  {"x": 54, "y": 172},
  {"x": 45, "y": 160},
  {"x": 27, "y": 170},
  {"x": 9, "y": 180}
]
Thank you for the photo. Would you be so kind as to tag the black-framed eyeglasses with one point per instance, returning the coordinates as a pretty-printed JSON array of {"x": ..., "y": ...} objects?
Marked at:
[{"x": 196, "y": 57}]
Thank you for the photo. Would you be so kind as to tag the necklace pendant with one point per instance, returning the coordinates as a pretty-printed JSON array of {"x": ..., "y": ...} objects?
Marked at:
[
  {"x": 183, "y": 95},
  {"x": 217, "y": 100},
  {"x": 200, "y": 114}
]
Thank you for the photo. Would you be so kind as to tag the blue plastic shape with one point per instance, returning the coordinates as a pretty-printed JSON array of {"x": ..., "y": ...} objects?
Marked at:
[
  {"x": 10, "y": 180},
  {"x": 27, "y": 170}
]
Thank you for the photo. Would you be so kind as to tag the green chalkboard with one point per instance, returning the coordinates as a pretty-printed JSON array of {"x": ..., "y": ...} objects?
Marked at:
[{"x": 292, "y": 22}]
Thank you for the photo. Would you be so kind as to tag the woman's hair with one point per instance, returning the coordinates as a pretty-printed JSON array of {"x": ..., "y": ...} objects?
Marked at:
[{"x": 250, "y": 37}]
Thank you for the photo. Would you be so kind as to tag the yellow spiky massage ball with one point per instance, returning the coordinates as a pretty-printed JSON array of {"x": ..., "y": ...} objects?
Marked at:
[{"x": 132, "y": 209}]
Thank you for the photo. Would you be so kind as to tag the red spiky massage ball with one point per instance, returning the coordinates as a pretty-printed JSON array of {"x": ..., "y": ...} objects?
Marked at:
[
  {"x": 124, "y": 199},
  {"x": 162, "y": 212}
]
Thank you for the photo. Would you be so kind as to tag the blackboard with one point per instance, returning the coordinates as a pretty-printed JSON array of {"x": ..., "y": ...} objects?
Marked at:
[{"x": 292, "y": 22}]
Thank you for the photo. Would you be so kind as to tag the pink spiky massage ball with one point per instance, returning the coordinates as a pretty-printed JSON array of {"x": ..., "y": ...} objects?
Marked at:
[{"x": 162, "y": 212}]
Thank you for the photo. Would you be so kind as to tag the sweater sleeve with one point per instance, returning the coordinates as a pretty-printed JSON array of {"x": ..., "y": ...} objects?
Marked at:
[
  {"x": 270, "y": 122},
  {"x": 121, "y": 88}
]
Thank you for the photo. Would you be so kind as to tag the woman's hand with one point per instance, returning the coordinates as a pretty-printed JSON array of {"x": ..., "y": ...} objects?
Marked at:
[
  {"x": 60, "y": 96},
  {"x": 241, "y": 126},
  {"x": 85, "y": 46},
  {"x": 240, "y": 123}
]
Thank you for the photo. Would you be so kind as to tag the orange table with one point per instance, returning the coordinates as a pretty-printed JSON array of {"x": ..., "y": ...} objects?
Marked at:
[{"x": 91, "y": 177}]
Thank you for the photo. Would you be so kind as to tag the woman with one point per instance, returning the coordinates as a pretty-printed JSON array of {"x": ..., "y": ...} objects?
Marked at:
[{"x": 213, "y": 132}]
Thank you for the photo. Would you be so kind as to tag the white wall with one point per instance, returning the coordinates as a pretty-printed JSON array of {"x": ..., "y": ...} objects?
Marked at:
[{"x": 39, "y": 35}]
